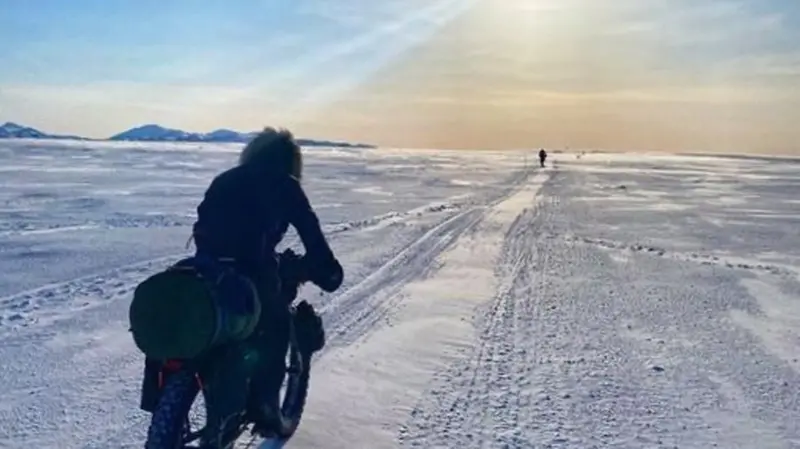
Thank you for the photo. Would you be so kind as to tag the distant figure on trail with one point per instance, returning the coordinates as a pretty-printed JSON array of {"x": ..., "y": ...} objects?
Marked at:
[{"x": 542, "y": 157}]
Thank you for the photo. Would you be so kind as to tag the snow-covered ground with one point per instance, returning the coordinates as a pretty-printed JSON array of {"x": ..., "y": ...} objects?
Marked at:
[{"x": 625, "y": 301}]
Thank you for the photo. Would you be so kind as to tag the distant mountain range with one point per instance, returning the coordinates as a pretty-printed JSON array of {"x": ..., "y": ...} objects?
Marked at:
[
  {"x": 13, "y": 131},
  {"x": 156, "y": 133}
]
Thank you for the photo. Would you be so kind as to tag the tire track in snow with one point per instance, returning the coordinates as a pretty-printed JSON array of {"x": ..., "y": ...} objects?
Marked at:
[
  {"x": 686, "y": 256},
  {"x": 43, "y": 305},
  {"x": 352, "y": 314},
  {"x": 599, "y": 386},
  {"x": 487, "y": 392},
  {"x": 637, "y": 352},
  {"x": 129, "y": 221},
  {"x": 532, "y": 351},
  {"x": 355, "y": 312}
]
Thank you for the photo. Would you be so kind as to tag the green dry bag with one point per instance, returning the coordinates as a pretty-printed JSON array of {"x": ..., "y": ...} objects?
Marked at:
[{"x": 181, "y": 313}]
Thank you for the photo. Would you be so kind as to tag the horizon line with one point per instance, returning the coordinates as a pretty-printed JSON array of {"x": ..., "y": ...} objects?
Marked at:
[{"x": 565, "y": 149}]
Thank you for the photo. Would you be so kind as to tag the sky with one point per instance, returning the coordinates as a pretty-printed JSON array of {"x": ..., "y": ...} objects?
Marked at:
[{"x": 671, "y": 75}]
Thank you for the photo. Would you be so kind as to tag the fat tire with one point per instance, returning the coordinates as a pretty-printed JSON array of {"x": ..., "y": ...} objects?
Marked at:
[
  {"x": 294, "y": 400},
  {"x": 167, "y": 421}
]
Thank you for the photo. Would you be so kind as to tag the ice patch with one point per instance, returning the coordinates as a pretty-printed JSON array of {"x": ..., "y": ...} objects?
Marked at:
[
  {"x": 464, "y": 182},
  {"x": 49, "y": 230},
  {"x": 373, "y": 190}
]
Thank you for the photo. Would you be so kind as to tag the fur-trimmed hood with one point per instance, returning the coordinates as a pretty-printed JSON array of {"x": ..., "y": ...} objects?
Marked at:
[{"x": 274, "y": 150}]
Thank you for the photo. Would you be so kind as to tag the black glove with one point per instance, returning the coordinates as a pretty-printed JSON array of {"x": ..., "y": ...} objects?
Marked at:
[
  {"x": 291, "y": 270},
  {"x": 327, "y": 274},
  {"x": 309, "y": 329}
]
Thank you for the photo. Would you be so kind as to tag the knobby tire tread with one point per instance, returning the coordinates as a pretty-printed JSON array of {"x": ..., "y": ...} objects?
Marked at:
[{"x": 167, "y": 421}]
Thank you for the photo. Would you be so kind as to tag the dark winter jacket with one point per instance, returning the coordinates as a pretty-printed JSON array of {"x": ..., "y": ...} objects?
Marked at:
[{"x": 245, "y": 214}]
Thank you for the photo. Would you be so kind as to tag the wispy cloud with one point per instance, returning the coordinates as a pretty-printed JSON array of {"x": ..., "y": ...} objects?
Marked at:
[
  {"x": 369, "y": 51},
  {"x": 707, "y": 22},
  {"x": 288, "y": 57}
]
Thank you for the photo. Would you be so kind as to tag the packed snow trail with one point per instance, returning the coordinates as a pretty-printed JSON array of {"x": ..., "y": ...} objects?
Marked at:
[{"x": 425, "y": 324}]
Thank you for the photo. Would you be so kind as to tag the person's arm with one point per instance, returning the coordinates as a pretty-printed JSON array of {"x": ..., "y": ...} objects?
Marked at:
[{"x": 324, "y": 270}]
